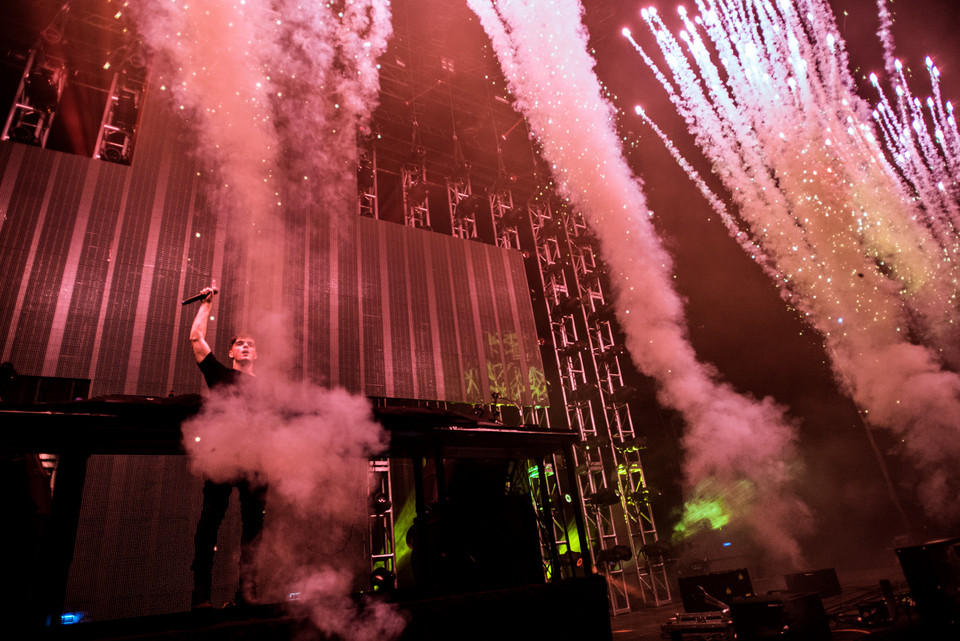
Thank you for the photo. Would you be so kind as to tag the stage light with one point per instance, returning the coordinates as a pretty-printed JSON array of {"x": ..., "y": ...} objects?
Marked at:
[
  {"x": 511, "y": 218},
  {"x": 634, "y": 444},
  {"x": 551, "y": 227},
  {"x": 602, "y": 312},
  {"x": 595, "y": 442},
  {"x": 125, "y": 113},
  {"x": 584, "y": 393},
  {"x": 568, "y": 351},
  {"x": 69, "y": 618},
  {"x": 614, "y": 555},
  {"x": 568, "y": 305},
  {"x": 24, "y": 134},
  {"x": 41, "y": 88},
  {"x": 623, "y": 394},
  {"x": 653, "y": 550},
  {"x": 112, "y": 154},
  {"x": 554, "y": 268},
  {"x": 137, "y": 58},
  {"x": 608, "y": 356},
  {"x": 53, "y": 32},
  {"x": 416, "y": 155},
  {"x": 418, "y": 191},
  {"x": 382, "y": 580},
  {"x": 604, "y": 496},
  {"x": 469, "y": 205},
  {"x": 380, "y": 503},
  {"x": 365, "y": 173}
]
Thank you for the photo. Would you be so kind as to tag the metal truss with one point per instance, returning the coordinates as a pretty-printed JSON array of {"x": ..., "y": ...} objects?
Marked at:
[
  {"x": 646, "y": 554},
  {"x": 383, "y": 551},
  {"x": 506, "y": 218},
  {"x": 463, "y": 205},
  {"x": 552, "y": 507},
  {"x": 118, "y": 127},
  {"x": 609, "y": 471},
  {"x": 36, "y": 101},
  {"x": 416, "y": 211},
  {"x": 368, "y": 203}
]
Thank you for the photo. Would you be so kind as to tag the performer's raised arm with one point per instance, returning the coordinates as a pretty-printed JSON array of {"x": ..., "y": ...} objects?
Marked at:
[{"x": 198, "y": 331}]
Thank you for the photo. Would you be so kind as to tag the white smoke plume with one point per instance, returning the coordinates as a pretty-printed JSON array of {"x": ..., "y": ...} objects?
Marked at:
[
  {"x": 739, "y": 451},
  {"x": 311, "y": 446},
  {"x": 765, "y": 88},
  {"x": 274, "y": 92}
]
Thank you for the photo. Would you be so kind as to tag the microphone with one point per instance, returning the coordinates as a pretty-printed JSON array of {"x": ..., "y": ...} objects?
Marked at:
[{"x": 196, "y": 297}]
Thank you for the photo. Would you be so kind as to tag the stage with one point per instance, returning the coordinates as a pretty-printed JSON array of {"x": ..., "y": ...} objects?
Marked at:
[{"x": 574, "y": 610}]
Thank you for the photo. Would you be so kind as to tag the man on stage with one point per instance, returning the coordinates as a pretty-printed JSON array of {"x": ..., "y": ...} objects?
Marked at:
[{"x": 216, "y": 495}]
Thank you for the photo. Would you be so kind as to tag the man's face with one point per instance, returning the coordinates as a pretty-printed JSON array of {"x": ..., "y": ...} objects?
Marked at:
[{"x": 243, "y": 350}]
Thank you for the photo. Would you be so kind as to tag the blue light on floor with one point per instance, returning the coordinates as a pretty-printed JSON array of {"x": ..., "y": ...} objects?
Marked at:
[{"x": 69, "y": 618}]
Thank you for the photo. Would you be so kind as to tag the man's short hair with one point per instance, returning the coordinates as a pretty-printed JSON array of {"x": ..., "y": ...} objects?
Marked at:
[{"x": 236, "y": 337}]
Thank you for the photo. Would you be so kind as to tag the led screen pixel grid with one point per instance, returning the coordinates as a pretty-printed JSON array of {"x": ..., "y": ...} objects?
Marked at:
[{"x": 96, "y": 257}]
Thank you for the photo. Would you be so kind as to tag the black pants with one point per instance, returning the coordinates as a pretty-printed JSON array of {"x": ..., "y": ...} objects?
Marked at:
[{"x": 216, "y": 498}]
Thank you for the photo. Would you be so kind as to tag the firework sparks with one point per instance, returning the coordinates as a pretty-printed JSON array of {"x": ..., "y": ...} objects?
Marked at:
[
  {"x": 739, "y": 450},
  {"x": 870, "y": 266}
]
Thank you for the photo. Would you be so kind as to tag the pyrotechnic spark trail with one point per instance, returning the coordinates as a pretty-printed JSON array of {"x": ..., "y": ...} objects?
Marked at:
[
  {"x": 738, "y": 449},
  {"x": 780, "y": 121},
  {"x": 928, "y": 162}
]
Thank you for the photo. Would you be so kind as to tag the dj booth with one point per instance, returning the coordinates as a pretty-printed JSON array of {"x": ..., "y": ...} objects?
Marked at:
[{"x": 144, "y": 426}]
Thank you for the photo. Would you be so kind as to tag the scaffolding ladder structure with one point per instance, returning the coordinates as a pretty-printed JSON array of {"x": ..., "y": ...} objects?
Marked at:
[
  {"x": 383, "y": 550},
  {"x": 368, "y": 204},
  {"x": 620, "y": 520},
  {"x": 646, "y": 555},
  {"x": 36, "y": 101},
  {"x": 463, "y": 204}
]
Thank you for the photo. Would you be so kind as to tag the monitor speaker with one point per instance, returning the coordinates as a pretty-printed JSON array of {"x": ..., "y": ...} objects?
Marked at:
[
  {"x": 721, "y": 586},
  {"x": 933, "y": 572},
  {"x": 824, "y": 582},
  {"x": 784, "y": 617}
]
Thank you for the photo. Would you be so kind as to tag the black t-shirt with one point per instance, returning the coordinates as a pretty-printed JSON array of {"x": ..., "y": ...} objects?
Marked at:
[{"x": 216, "y": 373}]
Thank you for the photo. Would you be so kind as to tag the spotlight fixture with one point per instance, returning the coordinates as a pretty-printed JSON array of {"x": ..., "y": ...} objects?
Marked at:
[
  {"x": 380, "y": 503},
  {"x": 511, "y": 218},
  {"x": 554, "y": 268},
  {"x": 602, "y": 312},
  {"x": 418, "y": 191},
  {"x": 42, "y": 90},
  {"x": 614, "y": 555},
  {"x": 634, "y": 444},
  {"x": 623, "y": 394},
  {"x": 569, "y": 305},
  {"x": 125, "y": 113},
  {"x": 604, "y": 496},
  {"x": 364, "y": 173},
  {"x": 568, "y": 351},
  {"x": 654, "y": 550},
  {"x": 469, "y": 205},
  {"x": 383, "y": 580},
  {"x": 609, "y": 355},
  {"x": 584, "y": 393}
]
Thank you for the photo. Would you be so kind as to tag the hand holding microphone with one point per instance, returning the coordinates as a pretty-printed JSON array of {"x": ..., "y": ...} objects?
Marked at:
[{"x": 206, "y": 291}]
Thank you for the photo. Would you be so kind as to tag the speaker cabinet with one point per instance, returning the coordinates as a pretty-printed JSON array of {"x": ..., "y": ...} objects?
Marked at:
[
  {"x": 784, "y": 617},
  {"x": 722, "y": 586},
  {"x": 933, "y": 572},
  {"x": 825, "y": 582}
]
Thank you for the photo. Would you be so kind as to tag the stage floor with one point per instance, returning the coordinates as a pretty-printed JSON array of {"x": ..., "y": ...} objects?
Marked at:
[
  {"x": 522, "y": 614},
  {"x": 861, "y": 594}
]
